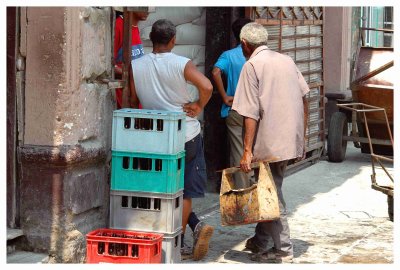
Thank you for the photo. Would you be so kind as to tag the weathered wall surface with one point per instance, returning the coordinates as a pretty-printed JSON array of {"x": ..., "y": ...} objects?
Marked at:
[
  {"x": 337, "y": 49},
  {"x": 64, "y": 161}
]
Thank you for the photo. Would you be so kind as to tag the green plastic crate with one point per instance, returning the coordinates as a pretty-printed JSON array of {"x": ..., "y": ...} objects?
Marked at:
[{"x": 145, "y": 172}]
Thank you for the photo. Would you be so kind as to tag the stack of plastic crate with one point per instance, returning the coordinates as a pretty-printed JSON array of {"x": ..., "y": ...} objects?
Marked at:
[{"x": 147, "y": 175}]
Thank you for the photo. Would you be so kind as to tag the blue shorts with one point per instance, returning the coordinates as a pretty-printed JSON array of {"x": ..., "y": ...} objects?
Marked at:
[{"x": 195, "y": 169}]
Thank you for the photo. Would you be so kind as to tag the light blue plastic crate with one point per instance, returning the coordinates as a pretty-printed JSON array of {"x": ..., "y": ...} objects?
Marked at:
[
  {"x": 148, "y": 131},
  {"x": 144, "y": 172}
]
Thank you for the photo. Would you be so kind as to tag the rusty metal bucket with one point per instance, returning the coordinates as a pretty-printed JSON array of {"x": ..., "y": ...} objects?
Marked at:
[{"x": 257, "y": 203}]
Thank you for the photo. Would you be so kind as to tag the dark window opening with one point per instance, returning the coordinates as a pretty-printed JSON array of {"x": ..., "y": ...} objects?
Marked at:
[
  {"x": 157, "y": 204},
  {"x": 177, "y": 202},
  {"x": 101, "y": 248},
  {"x": 160, "y": 125},
  {"x": 179, "y": 163},
  {"x": 179, "y": 124},
  {"x": 127, "y": 122},
  {"x": 145, "y": 203},
  {"x": 125, "y": 162},
  {"x": 143, "y": 164},
  {"x": 157, "y": 248},
  {"x": 144, "y": 123},
  {"x": 176, "y": 240},
  {"x": 135, "y": 202},
  {"x": 141, "y": 202},
  {"x": 158, "y": 165},
  {"x": 135, "y": 251},
  {"x": 124, "y": 201}
]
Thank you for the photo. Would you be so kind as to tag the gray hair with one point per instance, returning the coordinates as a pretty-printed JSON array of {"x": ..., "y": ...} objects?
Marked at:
[{"x": 255, "y": 34}]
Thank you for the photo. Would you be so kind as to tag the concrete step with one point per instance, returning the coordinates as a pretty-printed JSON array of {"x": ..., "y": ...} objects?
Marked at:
[
  {"x": 27, "y": 257},
  {"x": 14, "y": 233},
  {"x": 19, "y": 256}
]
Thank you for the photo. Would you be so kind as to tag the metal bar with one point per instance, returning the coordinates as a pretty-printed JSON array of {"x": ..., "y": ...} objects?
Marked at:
[
  {"x": 252, "y": 166},
  {"x": 302, "y": 48},
  {"x": 384, "y": 168},
  {"x": 312, "y": 72},
  {"x": 126, "y": 57},
  {"x": 272, "y": 22},
  {"x": 388, "y": 127},
  {"x": 112, "y": 84},
  {"x": 382, "y": 157},
  {"x": 315, "y": 110},
  {"x": 315, "y": 85},
  {"x": 295, "y": 36},
  {"x": 365, "y": 140},
  {"x": 386, "y": 190},
  {"x": 280, "y": 29},
  {"x": 315, "y": 122},
  {"x": 303, "y": 161},
  {"x": 315, "y": 146},
  {"x": 374, "y": 72},
  {"x": 349, "y": 106},
  {"x": 371, "y": 149},
  {"x": 314, "y": 98},
  {"x": 309, "y": 60},
  {"x": 377, "y": 29},
  {"x": 314, "y": 134}
]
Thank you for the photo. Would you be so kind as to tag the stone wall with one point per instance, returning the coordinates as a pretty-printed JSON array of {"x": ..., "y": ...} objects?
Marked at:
[{"x": 65, "y": 154}]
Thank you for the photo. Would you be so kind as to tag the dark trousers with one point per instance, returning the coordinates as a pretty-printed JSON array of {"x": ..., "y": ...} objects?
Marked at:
[{"x": 277, "y": 230}]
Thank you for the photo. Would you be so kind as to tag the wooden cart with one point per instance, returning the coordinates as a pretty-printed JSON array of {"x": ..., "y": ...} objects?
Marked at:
[{"x": 369, "y": 114}]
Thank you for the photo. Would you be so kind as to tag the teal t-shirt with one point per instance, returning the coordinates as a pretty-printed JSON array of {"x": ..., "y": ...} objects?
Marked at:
[{"x": 230, "y": 63}]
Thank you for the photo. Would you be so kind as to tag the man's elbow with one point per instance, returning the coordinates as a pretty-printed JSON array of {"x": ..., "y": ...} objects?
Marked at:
[
  {"x": 216, "y": 72},
  {"x": 209, "y": 88}
]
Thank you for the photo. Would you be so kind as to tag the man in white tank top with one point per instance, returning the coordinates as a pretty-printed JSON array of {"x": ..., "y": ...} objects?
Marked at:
[{"x": 160, "y": 83}]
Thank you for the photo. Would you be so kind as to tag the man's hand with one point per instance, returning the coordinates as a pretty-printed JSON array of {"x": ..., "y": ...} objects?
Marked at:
[
  {"x": 245, "y": 161},
  {"x": 228, "y": 100},
  {"x": 192, "y": 109}
]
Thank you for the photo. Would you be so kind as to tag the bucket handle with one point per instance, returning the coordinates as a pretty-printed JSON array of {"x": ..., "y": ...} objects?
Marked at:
[
  {"x": 252, "y": 166},
  {"x": 240, "y": 190},
  {"x": 225, "y": 186}
]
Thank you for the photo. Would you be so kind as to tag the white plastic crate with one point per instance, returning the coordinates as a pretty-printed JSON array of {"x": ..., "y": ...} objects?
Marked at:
[
  {"x": 171, "y": 247},
  {"x": 143, "y": 211},
  {"x": 150, "y": 131}
]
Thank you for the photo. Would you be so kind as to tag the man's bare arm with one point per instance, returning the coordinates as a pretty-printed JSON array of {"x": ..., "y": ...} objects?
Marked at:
[
  {"x": 250, "y": 126},
  {"x": 216, "y": 73},
  {"x": 204, "y": 86}
]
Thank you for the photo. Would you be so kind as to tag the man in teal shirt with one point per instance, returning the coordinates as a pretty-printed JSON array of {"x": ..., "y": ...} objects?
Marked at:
[{"x": 230, "y": 64}]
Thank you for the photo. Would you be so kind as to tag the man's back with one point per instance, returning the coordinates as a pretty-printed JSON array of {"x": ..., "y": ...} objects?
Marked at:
[
  {"x": 277, "y": 97},
  {"x": 161, "y": 85}
]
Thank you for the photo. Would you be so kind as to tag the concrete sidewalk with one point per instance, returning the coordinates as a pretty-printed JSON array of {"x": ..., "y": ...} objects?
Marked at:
[{"x": 334, "y": 216}]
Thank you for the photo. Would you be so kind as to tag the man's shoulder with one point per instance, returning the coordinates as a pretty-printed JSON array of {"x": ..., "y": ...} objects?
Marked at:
[
  {"x": 142, "y": 59},
  {"x": 177, "y": 57},
  {"x": 234, "y": 51}
]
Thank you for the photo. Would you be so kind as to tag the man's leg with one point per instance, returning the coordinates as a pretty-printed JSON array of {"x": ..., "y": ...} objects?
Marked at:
[
  {"x": 278, "y": 230},
  {"x": 186, "y": 210},
  {"x": 195, "y": 184},
  {"x": 234, "y": 124}
]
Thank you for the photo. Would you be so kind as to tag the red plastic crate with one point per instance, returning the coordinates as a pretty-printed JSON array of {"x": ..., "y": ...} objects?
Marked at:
[{"x": 122, "y": 246}]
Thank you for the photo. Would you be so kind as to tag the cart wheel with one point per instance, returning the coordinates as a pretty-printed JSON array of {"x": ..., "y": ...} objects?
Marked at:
[
  {"x": 390, "y": 207},
  {"x": 337, "y": 129}
]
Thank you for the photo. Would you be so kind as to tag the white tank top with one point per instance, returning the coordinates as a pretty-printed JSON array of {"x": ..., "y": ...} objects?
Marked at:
[{"x": 160, "y": 85}]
